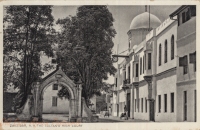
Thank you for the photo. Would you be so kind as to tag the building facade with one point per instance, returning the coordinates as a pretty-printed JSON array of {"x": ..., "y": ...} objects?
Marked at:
[
  {"x": 186, "y": 63},
  {"x": 150, "y": 82}
]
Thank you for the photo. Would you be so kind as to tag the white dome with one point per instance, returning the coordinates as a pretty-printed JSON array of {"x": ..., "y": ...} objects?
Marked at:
[{"x": 142, "y": 21}]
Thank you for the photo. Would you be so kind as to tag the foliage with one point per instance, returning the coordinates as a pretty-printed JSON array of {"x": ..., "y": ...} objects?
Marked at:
[
  {"x": 28, "y": 32},
  {"x": 85, "y": 47},
  {"x": 64, "y": 93}
]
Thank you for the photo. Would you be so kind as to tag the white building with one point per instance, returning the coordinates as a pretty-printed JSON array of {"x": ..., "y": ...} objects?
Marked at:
[
  {"x": 148, "y": 82},
  {"x": 51, "y": 102}
]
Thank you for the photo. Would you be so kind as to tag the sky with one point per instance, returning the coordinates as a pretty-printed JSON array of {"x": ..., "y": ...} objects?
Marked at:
[{"x": 123, "y": 15}]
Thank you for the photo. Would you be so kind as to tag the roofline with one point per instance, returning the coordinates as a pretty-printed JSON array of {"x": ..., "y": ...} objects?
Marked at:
[{"x": 178, "y": 11}]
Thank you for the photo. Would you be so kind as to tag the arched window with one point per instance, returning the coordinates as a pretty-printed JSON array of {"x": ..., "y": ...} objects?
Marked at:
[
  {"x": 165, "y": 51},
  {"x": 160, "y": 51},
  {"x": 172, "y": 47}
]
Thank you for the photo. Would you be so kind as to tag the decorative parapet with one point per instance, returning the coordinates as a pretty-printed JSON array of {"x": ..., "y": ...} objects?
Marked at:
[
  {"x": 164, "y": 25},
  {"x": 150, "y": 35}
]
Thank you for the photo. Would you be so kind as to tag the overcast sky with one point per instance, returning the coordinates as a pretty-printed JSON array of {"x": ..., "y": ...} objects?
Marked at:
[{"x": 123, "y": 16}]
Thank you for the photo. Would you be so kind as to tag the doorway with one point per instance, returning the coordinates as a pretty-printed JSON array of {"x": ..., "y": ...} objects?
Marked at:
[
  {"x": 128, "y": 103},
  {"x": 117, "y": 109}
]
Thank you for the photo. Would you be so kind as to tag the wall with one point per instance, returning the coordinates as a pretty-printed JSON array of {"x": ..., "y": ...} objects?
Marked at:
[
  {"x": 45, "y": 59},
  {"x": 62, "y": 104},
  {"x": 166, "y": 84},
  {"x": 166, "y": 35},
  {"x": 143, "y": 93},
  {"x": 186, "y": 43},
  {"x": 189, "y": 87}
]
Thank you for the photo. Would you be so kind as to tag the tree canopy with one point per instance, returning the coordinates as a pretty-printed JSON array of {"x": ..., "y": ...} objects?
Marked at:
[
  {"x": 28, "y": 32},
  {"x": 85, "y": 47}
]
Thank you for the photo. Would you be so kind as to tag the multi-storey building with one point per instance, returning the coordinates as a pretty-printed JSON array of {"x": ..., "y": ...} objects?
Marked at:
[
  {"x": 186, "y": 62},
  {"x": 150, "y": 82}
]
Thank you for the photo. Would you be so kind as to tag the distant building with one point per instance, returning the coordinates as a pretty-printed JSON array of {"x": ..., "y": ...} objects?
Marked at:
[
  {"x": 51, "y": 102},
  {"x": 151, "y": 82}
]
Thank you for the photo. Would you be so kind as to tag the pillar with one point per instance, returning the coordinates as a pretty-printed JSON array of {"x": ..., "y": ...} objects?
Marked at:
[
  {"x": 150, "y": 99},
  {"x": 79, "y": 99},
  {"x": 36, "y": 98},
  {"x": 72, "y": 108},
  {"x": 136, "y": 84},
  {"x": 70, "y": 115},
  {"x": 132, "y": 102}
]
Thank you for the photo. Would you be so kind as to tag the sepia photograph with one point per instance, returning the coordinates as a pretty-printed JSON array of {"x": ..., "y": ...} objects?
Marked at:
[{"x": 99, "y": 63}]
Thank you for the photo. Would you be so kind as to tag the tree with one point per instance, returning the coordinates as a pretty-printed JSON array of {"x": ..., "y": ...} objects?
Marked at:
[
  {"x": 28, "y": 32},
  {"x": 85, "y": 47}
]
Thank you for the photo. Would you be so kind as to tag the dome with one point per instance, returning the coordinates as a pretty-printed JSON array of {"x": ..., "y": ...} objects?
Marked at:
[{"x": 142, "y": 21}]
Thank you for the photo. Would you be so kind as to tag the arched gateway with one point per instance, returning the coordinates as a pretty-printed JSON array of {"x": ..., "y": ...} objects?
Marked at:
[{"x": 57, "y": 77}]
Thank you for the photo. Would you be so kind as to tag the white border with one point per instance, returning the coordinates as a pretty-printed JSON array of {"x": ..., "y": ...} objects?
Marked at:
[{"x": 107, "y": 126}]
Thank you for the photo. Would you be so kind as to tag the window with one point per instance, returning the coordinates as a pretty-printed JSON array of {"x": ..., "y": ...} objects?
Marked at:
[
  {"x": 143, "y": 64},
  {"x": 133, "y": 68},
  {"x": 159, "y": 103},
  {"x": 138, "y": 105},
  {"x": 53, "y": 61},
  {"x": 145, "y": 104},
  {"x": 165, "y": 51},
  {"x": 160, "y": 51},
  {"x": 178, "y": 19},
  {"x": 185, "y": 105},
  {"x": 172, "y": 47},
  {"x": 145, "y": 61},
  {"x": 55, "y": 87},
  {"x": 184, "y": 62},
  {"x": 129, "y": 72},
  {"x": 140, "y": 66},
  {"x": 193, "y": 59},
  {"x": 193, "y": 10},
  {"x": 183, "y": 17},
  {"x": 142, "y": 105},
  {"x": 54, "y": 101},
  {"x": 165, "y": 98},
  {"x": 135, "y": 104},
  {"x": 185, "y": 67},
  {"x": 172, "y": 102},
  {"x": 188, "y": 14},
  {"x": 149, "y": 60},
  {"x": 116, "y": 82},
  {"x": 136, "y": 70}
]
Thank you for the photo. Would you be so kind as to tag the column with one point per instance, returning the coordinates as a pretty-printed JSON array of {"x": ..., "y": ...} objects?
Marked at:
[
  {"x": 136, "y": 84},
  {"x": 132, "y": 102},
  {"x": 36, "y": 98},
  {"x": 79, "y": 100},
  {"x": 72, "y": 107},
  {"x": 150, "y": 99},
  {"x": 70, "y": 115}
]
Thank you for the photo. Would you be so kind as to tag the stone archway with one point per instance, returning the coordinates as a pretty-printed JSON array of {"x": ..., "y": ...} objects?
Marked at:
[{"x": 59, "y": 77}]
